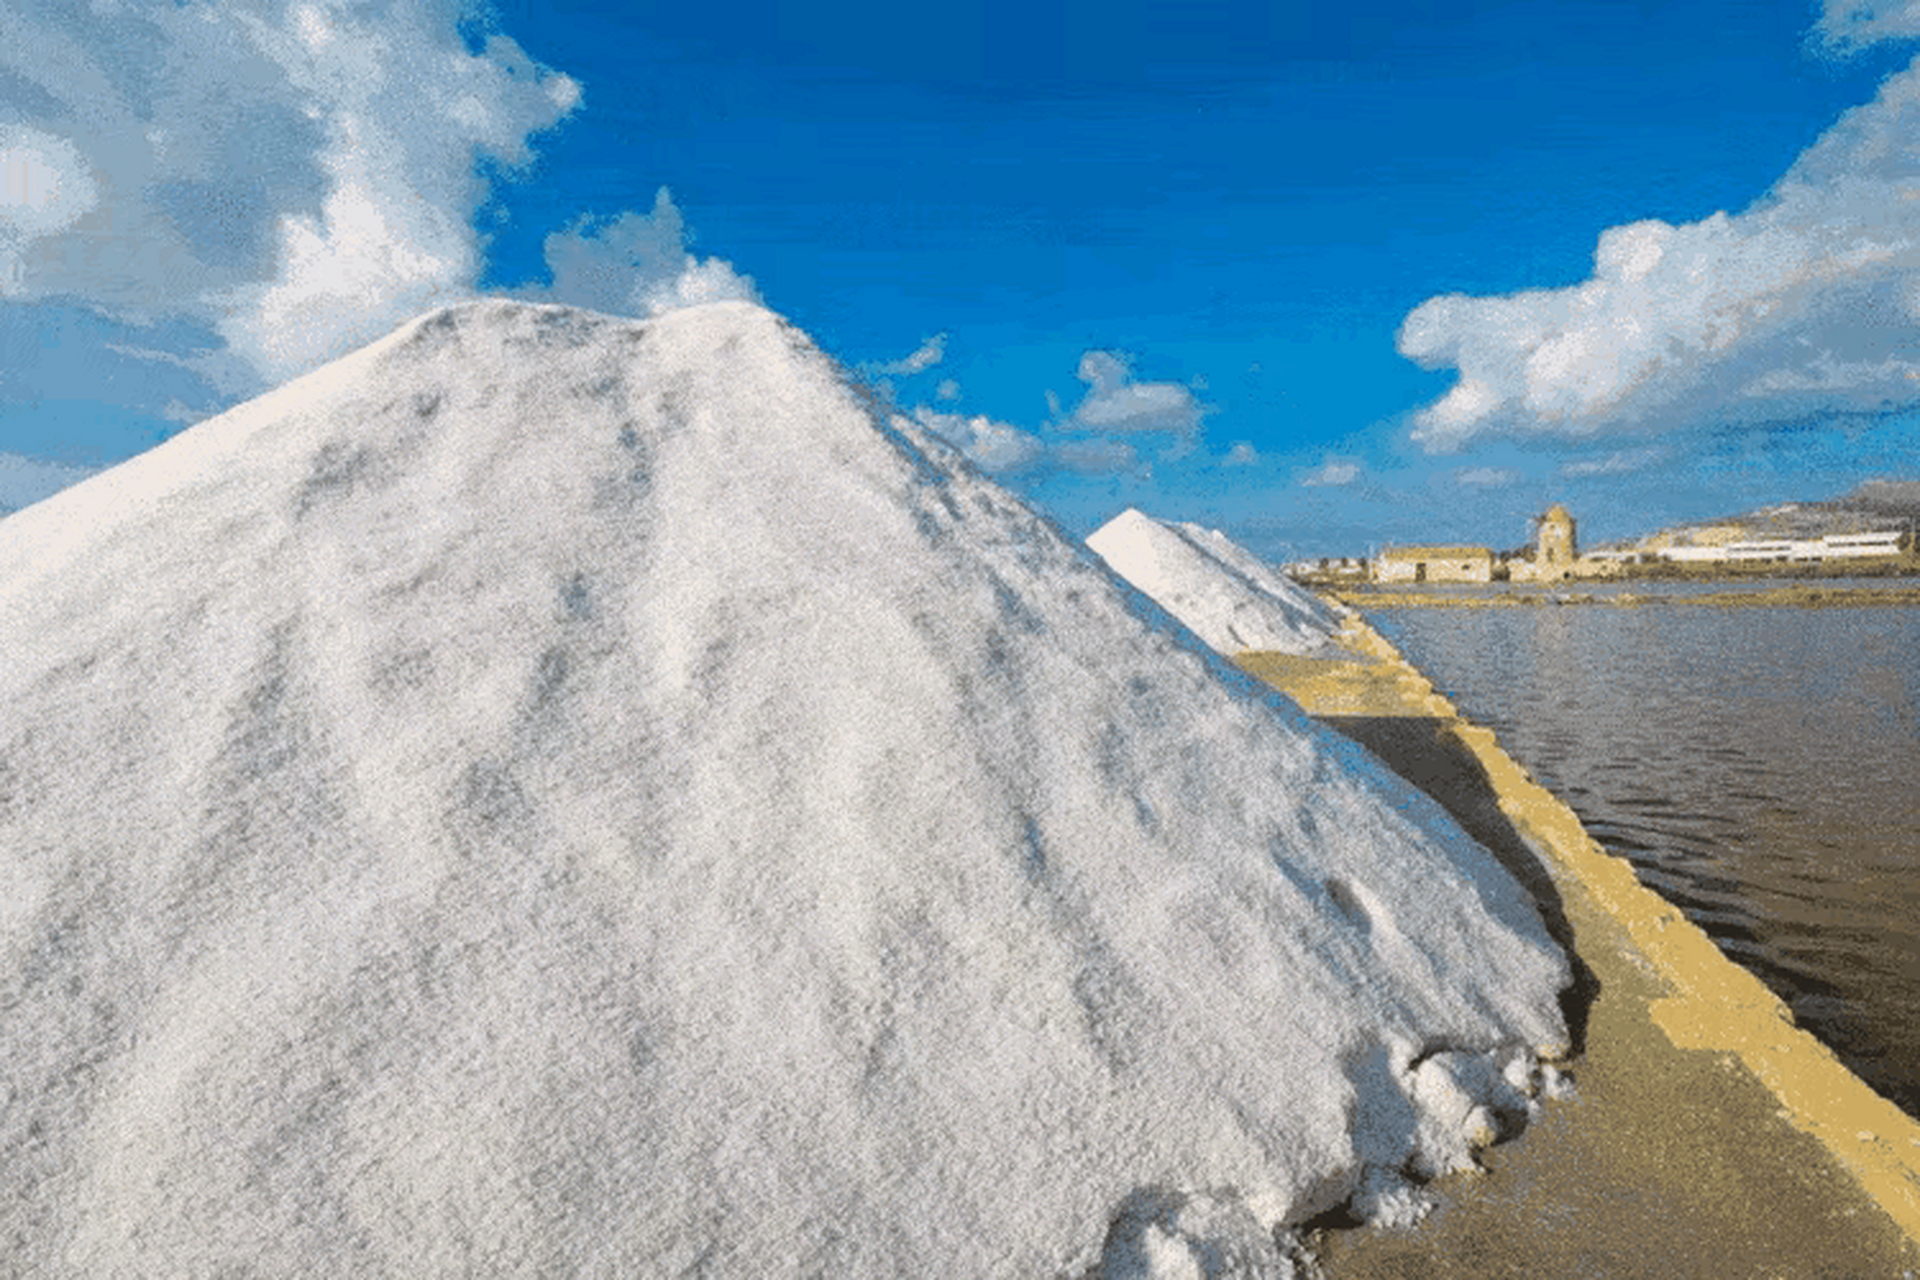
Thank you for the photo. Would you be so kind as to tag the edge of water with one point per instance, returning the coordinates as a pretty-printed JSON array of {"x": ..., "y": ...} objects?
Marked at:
[{"x": 1712, "y": 1003}]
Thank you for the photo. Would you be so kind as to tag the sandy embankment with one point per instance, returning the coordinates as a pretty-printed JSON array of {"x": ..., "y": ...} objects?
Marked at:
[{"x": 1709, "y": 1137}]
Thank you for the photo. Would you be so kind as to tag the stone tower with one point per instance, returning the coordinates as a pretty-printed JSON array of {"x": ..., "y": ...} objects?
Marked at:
[{"x": 1556, "y": 551}]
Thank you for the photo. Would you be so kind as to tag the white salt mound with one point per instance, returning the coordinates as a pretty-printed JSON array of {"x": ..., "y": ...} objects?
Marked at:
[
  {"x": 549, "y": 795},
  {"x": 1223, "y": 593}
]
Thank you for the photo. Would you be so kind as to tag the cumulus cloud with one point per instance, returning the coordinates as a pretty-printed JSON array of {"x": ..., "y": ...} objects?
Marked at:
[
  {"x": 1242, "y": 454},
  {"x": 403, "y": 112},
  {"x": 1002, "y": 449},
  {"x": 1333, "y": 473},
  {"x": 930, "y": 353},
  {"x": 636, "y": 264},
  {"x": 295, "y": 176},
  {"x": 1807, "y": 302},
  {"x": 989, "y": 445},
  {"x": 607, "y": 264},
  {"x": 1485, "y": 477},
  {"x": 239, "y": 190},
  {"x": 1855, "y": 24},
  {"x": 45, "y": 187},
  {"x": 1116, "y": 403},
  {"x": 701, "y": 280},
  {"x": 1084, "y": 442}
]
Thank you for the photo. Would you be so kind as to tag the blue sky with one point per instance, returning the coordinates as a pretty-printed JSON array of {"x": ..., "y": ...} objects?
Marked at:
[{"x": 1322, "y": 278}]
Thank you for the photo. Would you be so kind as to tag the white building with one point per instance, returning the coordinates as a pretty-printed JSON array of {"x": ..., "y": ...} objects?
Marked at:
[
  {"x": 1834, "y": 546},
  {"x": 1845, "y": 545}
]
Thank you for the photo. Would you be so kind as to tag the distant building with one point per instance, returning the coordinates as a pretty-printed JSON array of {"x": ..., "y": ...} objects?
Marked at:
[
  {"x": 1434, "y": 564},
  {"x": 1328, "y": 569},
  {"x": 1848, "y": 546},
  {"x": 1556, "y": 554},
  {"x": 1886, "y": 544}
]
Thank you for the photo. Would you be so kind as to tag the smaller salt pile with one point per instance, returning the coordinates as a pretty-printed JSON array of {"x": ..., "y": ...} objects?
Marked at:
[
  {"x": 554, "y": 795},
  {"x": 1222, "y": 593}
]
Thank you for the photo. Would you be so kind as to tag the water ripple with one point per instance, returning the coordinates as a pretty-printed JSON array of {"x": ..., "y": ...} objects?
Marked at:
[{"x": 1756, "y": 766}]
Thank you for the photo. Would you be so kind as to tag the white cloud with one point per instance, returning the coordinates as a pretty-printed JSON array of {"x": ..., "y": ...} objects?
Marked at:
[
  {"x": 1081, "y": 442},
  {"x": 636, "y": 264},
  {"x": 608, "y": 264},
  {"x": 1242, "y": 454},
  {"x": 243, "y": 189},
  {"x": 989, "y": 445},
  {"x": 1485, "y": 477},
  {"x": 45, "y": 187},
  {"x": 347, "y": 277},
  {"x": 297, "y": 176},
  {"x": 930, "y": 353},
  {"x": 1333, "y": 473},
  {"x": 1114, "y": 402},
  {"x": 700, "y": 281},
  {"x": 1855, "y": 24},
  {"x": 1003, "y": 449},
  {"x": 1806, "y": 302},
  {"x": 404, "y": 111}
]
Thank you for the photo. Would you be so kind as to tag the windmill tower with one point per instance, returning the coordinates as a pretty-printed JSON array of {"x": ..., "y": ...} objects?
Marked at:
[{"x": 1554, "y": 553}]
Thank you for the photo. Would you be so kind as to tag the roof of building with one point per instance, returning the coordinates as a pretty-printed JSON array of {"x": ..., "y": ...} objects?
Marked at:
[{"x": 1436, "y": 553}]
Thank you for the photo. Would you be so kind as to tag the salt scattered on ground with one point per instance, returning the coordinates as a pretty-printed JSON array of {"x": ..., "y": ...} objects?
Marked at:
[
  {"x": 1224, "y": 594},
  {"x": 550, "y": 794}
]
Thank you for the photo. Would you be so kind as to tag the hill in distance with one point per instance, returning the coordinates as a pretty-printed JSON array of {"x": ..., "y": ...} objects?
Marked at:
[{"x": 1871, "y": 506}]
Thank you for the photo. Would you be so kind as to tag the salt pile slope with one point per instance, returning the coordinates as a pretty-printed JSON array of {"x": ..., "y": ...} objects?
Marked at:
[
  {"x": 1222, "y": 592},
  {"x": 549, "y": 793}
]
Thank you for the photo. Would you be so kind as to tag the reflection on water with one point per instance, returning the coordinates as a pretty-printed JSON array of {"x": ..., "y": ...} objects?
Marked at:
[{"x": 1757, "y": 766}]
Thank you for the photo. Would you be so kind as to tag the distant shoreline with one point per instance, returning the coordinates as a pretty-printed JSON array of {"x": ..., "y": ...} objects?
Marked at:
[{"x": 1794, "y": 595}]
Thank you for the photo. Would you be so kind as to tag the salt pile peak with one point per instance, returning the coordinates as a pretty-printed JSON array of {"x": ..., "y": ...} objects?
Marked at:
[
  {"x": 1226, "y": 595},
  {"x": 553, "y": 793}
]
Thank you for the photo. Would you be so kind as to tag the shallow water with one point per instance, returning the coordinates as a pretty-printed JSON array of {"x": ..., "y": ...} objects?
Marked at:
[{"x": 1760, "y": 767}]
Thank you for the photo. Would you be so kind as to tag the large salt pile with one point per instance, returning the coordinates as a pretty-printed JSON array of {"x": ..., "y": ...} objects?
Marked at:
[
  {"x": 1223, "y": 593},
  {"x": 549, "y": 794}
]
